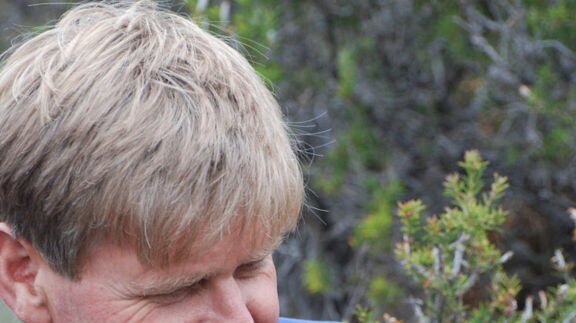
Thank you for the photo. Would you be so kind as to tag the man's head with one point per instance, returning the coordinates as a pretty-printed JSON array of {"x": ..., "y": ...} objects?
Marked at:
[{"x": 128, "y": 131}]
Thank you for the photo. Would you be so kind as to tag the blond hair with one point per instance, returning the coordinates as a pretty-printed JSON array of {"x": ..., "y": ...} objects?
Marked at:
[{"x": 128, "y": 123}]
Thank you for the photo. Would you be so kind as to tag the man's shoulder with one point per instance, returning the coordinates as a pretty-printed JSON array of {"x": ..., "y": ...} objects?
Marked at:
[{"x": 290, "y": 320}]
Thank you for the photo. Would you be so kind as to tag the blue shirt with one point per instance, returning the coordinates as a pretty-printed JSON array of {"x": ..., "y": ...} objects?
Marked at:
[{"x": 289, "y": 320}]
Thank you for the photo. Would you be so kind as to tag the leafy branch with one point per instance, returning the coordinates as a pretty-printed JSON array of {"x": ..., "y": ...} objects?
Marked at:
[{"x": 451, "y": 254}]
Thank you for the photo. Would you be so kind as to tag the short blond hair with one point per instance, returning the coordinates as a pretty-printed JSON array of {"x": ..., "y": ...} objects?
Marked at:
[{"x": 131, "y": 124}]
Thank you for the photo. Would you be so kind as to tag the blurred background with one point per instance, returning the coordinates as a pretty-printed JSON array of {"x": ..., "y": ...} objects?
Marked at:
[{"x": 384, "y": 97}]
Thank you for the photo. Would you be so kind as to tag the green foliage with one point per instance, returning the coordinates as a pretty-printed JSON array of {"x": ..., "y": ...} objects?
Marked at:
[
  {"x": 374, "y": 229},
  {"x": 381, "y": 290},
  {"x": 331, "y": 178},
  {"x": 560, "y": 307},
  {"x": 316, "y": 278},
  {"x": 551, "y": 96},
  {"x": 358, "y": 144},
  {"x": 346, "y": 73},
  {"x": 448, "y": 255},
  {"x": 365, "y": 142},
  {"x": 553, "y": 19},
  {"x": 444, "y": 26},
  {"x": 556, "y": 143},
  {"x": 364, "y": 315},
  {"x": 373, "y": 232},
  {"x": 557, "y": 140}
]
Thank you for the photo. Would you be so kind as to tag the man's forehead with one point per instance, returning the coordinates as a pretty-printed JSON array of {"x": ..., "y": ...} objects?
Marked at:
[
  {"x": 241, "y": 245},
  {"x": 240, "y": 234}
]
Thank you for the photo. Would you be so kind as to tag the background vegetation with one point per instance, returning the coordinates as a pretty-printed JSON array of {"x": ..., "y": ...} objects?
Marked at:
[{"x": 384, "y": 97}]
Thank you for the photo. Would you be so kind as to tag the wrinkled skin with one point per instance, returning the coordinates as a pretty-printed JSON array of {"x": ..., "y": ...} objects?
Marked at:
[{"x": 234, "y": 280}]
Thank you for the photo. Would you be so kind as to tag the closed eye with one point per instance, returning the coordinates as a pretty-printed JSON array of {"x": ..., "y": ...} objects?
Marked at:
[
  {"x": 248, "y": 269},
  {"x": 176, "y": 295}
]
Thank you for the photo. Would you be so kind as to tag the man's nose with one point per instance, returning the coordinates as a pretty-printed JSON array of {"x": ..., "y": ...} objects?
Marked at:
[{"x": 230, "y": 302}]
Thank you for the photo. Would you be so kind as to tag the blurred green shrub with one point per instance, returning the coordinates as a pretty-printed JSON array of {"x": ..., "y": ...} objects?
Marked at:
[
  {"x": 316, "y": 278},
  {"x": 451, "y": 255},
  {"x": 374, "y": 228}
]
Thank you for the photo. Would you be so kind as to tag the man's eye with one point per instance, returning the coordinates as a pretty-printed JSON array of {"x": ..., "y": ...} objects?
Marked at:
[
  {"x": 248, "y": 269},
  {"x": 177, "y": 295}
]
